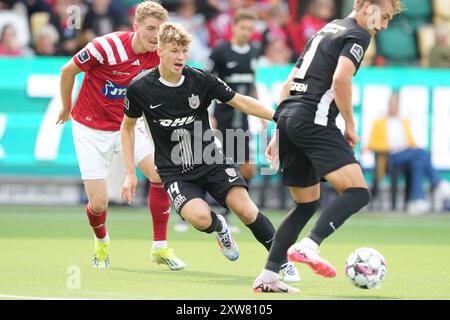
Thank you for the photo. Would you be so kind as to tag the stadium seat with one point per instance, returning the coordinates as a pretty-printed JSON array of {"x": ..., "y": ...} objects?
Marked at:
[
  {"x": 442, "y": 9},
  {"x": 398, "y": 45},
  {"x": 426, "y": 40}
]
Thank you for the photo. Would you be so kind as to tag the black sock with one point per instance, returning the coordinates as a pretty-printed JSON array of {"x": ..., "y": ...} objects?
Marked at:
[
  {"x": 263, "y": 230},
  {"x": 288, "y": 232},
  {"x": 335, "y": 214},
  {"x": 216, "y": 224}
]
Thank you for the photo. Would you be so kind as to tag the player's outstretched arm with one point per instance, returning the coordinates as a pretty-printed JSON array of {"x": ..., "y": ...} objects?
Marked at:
[
  {"x": 68, "y": 73},
  {"x": 127, "y": 139},
  {"x": 251, "y": 106},
  {"x": 342, "y": 89}
]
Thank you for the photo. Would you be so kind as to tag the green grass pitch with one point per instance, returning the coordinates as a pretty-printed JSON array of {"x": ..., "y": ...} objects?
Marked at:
[{"x": 40, "y": 247}]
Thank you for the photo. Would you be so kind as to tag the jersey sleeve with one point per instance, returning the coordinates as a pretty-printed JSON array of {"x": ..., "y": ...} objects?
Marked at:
[
  {"x": 218, "y": 89},
  {"x": 132, "y": 107},
  {"x": 355, "y": 47},
  {"x": 90, "y": 56}
]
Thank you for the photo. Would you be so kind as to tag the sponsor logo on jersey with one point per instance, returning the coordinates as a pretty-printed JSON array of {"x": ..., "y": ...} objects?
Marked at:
[
  {"x": 299, "y": 87},
  {"x": 136, "y": 63},
  {"x": 232, "y": 64},
  {"x": 194, "y": 101},
  {"x": 126, "y": 103},
  {"x": 178, "y": 122},
  {"x": 120, "y": 73},
  {"x": 83, "y": 56},
  {"x": 113, "y": 90},
  {"x": 357, "y": 51}
]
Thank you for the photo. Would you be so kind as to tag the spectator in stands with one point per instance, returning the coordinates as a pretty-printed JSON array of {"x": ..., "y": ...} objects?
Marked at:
[
  {"x": 219, "y": 28},
  {"x": 440, "y": 53},
  {"x": 276, "y": 53},
  {"x": 194, "y": 23},
  {"x": 319, "y": 14},
  {"x": 8, "y": 42},
  {"x": 99, "y": 20},
  {"x": 393, "y": 135},
  {"x": 278, "y": 16},
  {"x": 64, "y": 24},
  {"x": 46, "y": 41}
]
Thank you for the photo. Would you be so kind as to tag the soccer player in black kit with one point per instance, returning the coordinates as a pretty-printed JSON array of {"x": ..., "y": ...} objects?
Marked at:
[
  {"x": 311, "y": 147},
  {"x": 235, "y": 62},
  {"x": 174, "y": 99}
]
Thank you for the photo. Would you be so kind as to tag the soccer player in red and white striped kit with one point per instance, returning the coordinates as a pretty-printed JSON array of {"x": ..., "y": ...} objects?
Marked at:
[{"x": 110, "y": 62}]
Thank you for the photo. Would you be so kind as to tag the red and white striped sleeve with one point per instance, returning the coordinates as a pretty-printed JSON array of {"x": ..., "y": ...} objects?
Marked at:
[{"x": 90, "y": 56}]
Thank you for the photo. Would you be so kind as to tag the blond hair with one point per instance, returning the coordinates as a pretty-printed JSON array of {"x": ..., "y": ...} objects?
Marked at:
[
  {"x": 150, "y": 9},
  {"x": 170, "y": 32},
  {"x": 397, "y": 4},
  {"x": 245, "y": 14}
]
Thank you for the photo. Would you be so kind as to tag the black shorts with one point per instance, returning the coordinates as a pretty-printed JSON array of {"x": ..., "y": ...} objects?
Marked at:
[
  {"x": 216, "y": 179},
  {"x": 309, "y": 151}
]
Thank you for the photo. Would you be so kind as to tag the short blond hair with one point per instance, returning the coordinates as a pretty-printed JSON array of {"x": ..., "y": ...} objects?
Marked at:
[
  {"x": 170, "y": 32},
  {"x": 245, "y": 14},
  {"x": 397, "y": 4},
  {"x": 152, "y": 9}
]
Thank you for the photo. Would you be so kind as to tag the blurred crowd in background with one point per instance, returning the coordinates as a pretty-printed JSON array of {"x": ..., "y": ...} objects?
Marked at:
[{"x": 61, "y": 27}]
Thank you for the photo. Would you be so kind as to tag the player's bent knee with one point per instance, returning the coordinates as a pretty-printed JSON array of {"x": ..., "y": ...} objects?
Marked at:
[
  {"x": 97, "y": 208},
  {"x": 361, "y": 194}
]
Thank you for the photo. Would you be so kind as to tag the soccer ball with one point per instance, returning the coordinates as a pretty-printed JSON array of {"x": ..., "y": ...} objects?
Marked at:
[{"x": 365, "y": 268}]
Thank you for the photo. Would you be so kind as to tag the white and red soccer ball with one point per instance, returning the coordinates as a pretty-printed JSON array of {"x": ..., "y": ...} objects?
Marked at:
[{"x": 365, "y": 268}]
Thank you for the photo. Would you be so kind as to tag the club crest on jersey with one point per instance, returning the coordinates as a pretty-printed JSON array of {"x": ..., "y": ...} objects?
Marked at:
[
  {"x": 83, "y": 56},
  {"x": 194, "y": 101},
  {"x": 231, "y": 172},
  {"x": 113, "y": 90},
  {"x": 357, "y": 51}
]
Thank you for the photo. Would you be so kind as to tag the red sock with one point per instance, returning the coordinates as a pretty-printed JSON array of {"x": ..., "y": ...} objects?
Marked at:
[
  {"x": 97, "y": 222},
  {"x": 159, "y": 204}
]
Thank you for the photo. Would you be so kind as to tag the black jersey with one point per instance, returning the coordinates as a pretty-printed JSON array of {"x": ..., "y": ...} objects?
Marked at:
[
  {"x": 311, "y": 91},
  {"x": 236, "y": 66},
  {"x": 177, "y": 116}
]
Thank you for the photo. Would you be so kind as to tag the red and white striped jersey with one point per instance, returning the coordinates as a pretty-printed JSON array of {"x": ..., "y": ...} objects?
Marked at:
[{"x": 109, "y": 64}]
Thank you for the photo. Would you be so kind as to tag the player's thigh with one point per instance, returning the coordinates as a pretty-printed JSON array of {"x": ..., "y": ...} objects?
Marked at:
[
  {"x": 306, "y": 194},
  {"x": 144, "y": 153},
  {"x": 148, "y": 168},
  {"x": 348, "y": 176},
  {"x": 296, "y": 167},
  {"x": 332, "y": 157},
  {"x": 182, "y": 192},
  {"x": 94, "y": 150},
  {"x": 239, "y": 201},
  {"x": 97, "y": 194},
  {"x": 220, "y": 179}
]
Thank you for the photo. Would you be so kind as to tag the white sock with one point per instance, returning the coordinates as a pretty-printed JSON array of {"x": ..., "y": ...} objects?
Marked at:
[
  {"x": 310, "y": 244},
  {"x": 105, "y": 239},
  {"x": 159, "y": 244},
  {"x": 268, "y": 276}
]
